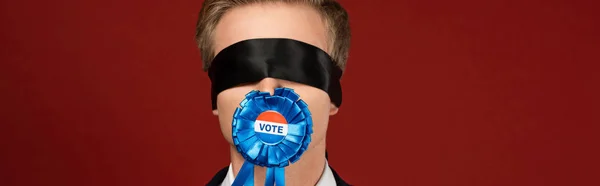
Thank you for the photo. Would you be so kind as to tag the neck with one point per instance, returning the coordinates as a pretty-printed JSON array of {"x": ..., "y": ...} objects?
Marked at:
[{"x": 306, "y": 171}]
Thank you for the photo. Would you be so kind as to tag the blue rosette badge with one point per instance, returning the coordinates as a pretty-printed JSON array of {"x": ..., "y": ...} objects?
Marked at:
[{"x": 270, "y": 131}]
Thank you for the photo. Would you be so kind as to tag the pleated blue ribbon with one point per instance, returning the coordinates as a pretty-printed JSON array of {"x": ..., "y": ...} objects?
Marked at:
[{"x": 270, "y": 144}]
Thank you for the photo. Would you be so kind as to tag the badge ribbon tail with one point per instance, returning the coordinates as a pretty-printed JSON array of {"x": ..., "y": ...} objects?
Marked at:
[{"x": 275, "y": 176}]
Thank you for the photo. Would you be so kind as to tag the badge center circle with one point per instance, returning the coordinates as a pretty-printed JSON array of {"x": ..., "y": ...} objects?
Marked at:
[{"x": 271, "y": 127}]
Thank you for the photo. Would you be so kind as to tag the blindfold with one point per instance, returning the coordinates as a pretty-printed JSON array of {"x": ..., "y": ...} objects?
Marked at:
[{"x": 250, "y": 61}]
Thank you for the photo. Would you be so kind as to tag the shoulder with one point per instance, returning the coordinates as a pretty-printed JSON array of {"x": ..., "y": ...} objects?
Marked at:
[
  {"x": 218, "y": 178},
  {"x": 338, "y": 180}
]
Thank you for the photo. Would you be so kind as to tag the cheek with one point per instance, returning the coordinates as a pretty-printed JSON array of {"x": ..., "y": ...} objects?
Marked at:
[
  {"x": 317, "y": 100},
  {"x": 227, "y": 102},
  {"x": 319, "y": 106}
]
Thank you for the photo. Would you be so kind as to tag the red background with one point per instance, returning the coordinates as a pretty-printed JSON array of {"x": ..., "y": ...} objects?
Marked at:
[{"x": 461, "y": 92}]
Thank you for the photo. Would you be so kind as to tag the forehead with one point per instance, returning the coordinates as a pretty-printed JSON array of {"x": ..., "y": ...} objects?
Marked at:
[{"x": 271, "y": 20}]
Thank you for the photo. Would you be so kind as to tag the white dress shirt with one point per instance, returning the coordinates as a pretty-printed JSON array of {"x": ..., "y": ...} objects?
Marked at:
[{"x": 326, "y": 179}]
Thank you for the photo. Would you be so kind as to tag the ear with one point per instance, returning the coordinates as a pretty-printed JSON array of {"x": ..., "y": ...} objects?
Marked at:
[
  {"x": 215, "y": 112},
  {"x": 333, "y": 109}
]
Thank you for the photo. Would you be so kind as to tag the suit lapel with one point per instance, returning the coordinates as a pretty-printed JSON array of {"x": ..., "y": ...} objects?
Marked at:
[{"x": 218, "y": 178}]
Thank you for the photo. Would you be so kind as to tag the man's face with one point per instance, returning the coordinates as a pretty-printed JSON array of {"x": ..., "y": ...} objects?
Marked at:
[{"x": 298, "y": 22}]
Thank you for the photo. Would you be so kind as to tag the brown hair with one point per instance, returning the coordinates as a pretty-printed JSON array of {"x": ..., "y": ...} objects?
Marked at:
[{"x": 334, "y": 14}]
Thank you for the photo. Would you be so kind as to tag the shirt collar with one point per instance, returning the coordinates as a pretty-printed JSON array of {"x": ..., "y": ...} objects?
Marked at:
[{"x": 327, "y": 178}]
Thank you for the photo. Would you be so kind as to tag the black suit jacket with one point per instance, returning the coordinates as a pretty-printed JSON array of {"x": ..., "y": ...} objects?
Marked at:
[{"x": 220, "y": 176}]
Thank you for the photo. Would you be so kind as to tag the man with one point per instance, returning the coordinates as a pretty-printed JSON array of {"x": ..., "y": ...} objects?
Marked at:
[{"x": 320, "y": 23}]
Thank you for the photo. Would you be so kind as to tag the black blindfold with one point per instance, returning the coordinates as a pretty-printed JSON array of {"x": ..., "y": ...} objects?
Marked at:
[{"x": 252, "y": 60}]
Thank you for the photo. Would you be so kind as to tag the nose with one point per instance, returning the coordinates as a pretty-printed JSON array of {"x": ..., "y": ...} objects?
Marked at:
[{"x": 268, "y": 85}]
